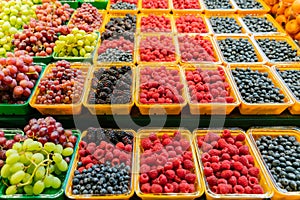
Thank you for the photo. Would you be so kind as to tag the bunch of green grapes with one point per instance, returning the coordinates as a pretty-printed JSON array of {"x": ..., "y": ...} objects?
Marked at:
[
  {"x": 31, "y": 167},
  {"x": 6, "y": 36},
  {"x": 76, "y": 44}
]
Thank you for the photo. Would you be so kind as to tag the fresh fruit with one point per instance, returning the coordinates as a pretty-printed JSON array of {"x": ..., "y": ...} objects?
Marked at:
[
  {"x": 225, "y": 25},
  {"x": 259, "y": 24},
  {"x": 158, "y": 4},
  {"x": 154, "y": 23},
  {"x": 249, "y": 4},
  {"x": 190, "y": 24},
  {"x": 186, "y": 4},
  {"x": 218, "y": 4}
]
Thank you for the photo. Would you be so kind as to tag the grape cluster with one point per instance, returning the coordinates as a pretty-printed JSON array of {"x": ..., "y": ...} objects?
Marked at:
[
  {"x": 18, "y": 76},
  {"x": 86, "y": 18},
  {"x": 31, "y": 167},
  {"x": 6, "y": 37},
  {"x": 6, "y": 144},
  {"x": 76, "y": 44},
  {"x": 49, "y": 130}
]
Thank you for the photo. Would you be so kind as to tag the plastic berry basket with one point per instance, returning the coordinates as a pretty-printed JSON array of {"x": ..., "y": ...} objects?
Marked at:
[
  {"x": 288, "y": 39},
  {"x": 235, "y": 17},
  {"x": 60, "y": 109},
  {"x": 205, "y": 37},
  {"x": 269, "y": 18},
  {"x": 294, "y": 109},
  {"x": 261, "y": 59},
  {"x": 21, "y": 109},
  {"x": 263, "y": 180},
  {"x": 168, "y": 16},
  {"x": 100, "y": 4},
  {"x": 116, "y": 11},
  {"x": 78, "y": 58},
  {"x": 49, "y": 193},
  {"x": 183, "y": 11},
  {"x": 263, "y": 108},
  {"x": 159, "y": 109},
  {"x": 154, "y": 10},
  {"x": 197, "y": 15},
  {"x": 220, "y": 11},
  {"x": 109, "y": 109},
  {"x": 257, "y": 132},
  {"x": 199, "y": 189},
  {"x": 68, "y": 188},
  {"x": 211, "y": 108},
  {"x": 144, "y": 36},
  {"x": 264, "y": 10}
]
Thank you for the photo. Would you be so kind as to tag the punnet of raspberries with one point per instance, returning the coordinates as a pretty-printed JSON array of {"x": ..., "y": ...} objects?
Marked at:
[
  {"x": 166, "y": 164},
  {"x": 228, "y": 166}
]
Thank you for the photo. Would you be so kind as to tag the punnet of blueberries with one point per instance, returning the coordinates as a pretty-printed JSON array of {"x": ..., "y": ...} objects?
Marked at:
[
  {"x": 256, "y": 87},
  {"x": 218, "y": 4},
  {"x": 292, "y": 80},
  {"x": 123, "y": 6},
  {"x": 225, "y": 25},
  {"x": 278, "y": 50},
  {"x": 259, "y": 24},
  {"x": 249, "y": 4},
  {"x": 237, "y": 50},
  {"x": 281, "y": 155}
]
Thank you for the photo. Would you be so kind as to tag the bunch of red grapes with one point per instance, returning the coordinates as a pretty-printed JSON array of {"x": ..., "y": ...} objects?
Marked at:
[{"x": 18, "y": 76}]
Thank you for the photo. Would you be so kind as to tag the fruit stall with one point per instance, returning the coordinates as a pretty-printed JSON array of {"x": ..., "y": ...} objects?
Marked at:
[{"x": 150, "y": 99}]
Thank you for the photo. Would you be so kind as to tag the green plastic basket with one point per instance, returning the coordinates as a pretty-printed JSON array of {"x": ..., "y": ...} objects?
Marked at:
[
  {"x": 73, "y": 4},
  {"x": 21, "y": 109},
  {"x": 101, "y": 5},
  {"x": 43, "y": 59},
  {"x": 49, "y": 193}
]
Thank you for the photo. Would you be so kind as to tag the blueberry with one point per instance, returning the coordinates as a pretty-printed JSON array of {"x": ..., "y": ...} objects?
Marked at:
[{"x": 259, "y": 24}]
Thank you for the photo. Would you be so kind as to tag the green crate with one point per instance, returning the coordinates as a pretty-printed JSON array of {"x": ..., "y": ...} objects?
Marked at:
[
  {"x": 73, "y": 4},
  {"x": 42, "y": 59},
  {"x": 100, "y": 4},
  {"x": 49, "y": 193},
  {"x": 10, "y": 133},
  {"x": 21, "y": 109}
]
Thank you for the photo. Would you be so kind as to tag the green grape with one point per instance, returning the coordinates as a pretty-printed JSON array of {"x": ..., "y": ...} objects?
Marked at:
[
  {"x": 17, "y": 146},
  {"x": 28, "y": 189},
  {"x": 30, "y": 169},
  {"x": 11, "y": 190},
  {"x": 75, "y": 52},
  {"x": 57, "y": 158},
  {"x": 75, "y": 30},
  {"x": 80, "y": 42},
  {"x": 61, "y": 38},
  {"x": 62, "y": 166},
  {"x": 35, "y": 146},
  {"x": 56, "y": 170},
  {"x": 61, "y": 54},
  {"x": 27, "y": 143},
  {"x": 37, "y": 158},
  {"x": 87, "y": 55},
  {"x": 10, "y": 152},
  {"x": 6, "y": 25},
  {"x": 7, "y": 47},
  {"x": 48, "y": 180},
  {"x": 70, "y": 38},
  {"x": 69, "y": 50},
  {"x": 88, "y": 48},
  {"x": 56, "y": 182},
  {"x": 5, "y": 171},
  {"x": 27, "y": 178},
  {"x": 2, "y": 51},
  {"x": 16, "y": 167},
  {"x": 51, "y": 169},
  {"x": 82, "y": 52},
  {"x": 13, "y": 158},
  {"x": 25, "y": 158},
  {"x": 20, "y": 190},
  {"x": 40, "y": 173},
  {"x": 38, "y": 187},
  {"x": 78, "y": 36},
  {"x": 49, "y": 146},
  {"x": 17, "y": 177},
  {"x": 87, "y": 42},
  {"x": 67, "y": 151}
]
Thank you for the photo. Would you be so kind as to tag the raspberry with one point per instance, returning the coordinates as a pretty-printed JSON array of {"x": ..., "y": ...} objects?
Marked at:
[
  {"x": 226, "y": 174},
  {"x": 205, "y": 157},
  {"x": 253, "y": 181},
  {"x": 144, "y": 178},
  {"x": 89, "y": 165},
  {"x": 248, "y": 190},
  {"x": 116, "y": 152},
  {"x": 176, "y": 143},
  {"x": 102, "y": 144},
  {"x": 162, "y": 179},
  {"x": 175, "y": 187},
  {"x": 224, "y": 188},
  {"x": 235, "y": 157},
  {"x": 155, "y": 181},
  {"x": 146, "y": 188},
  {"x": 192, "y": 188},
  {"x": 208, "y": 171},
  {"x": 257, "y": 189},
  {"x": 244, "y": 160},
  {"x": 226, "y": 133},
  {"x": 109, "y": 147},
  {"x": 185, "y": 144},
  {"x": 218, "y": 174},
  {"x": 82, "y": 153},
  {"x": 250, "y": 159},
  {"x": 253, "y": 171},
  {"x": 238, "y": 189},
  {"x": 214, "y": 152},
  {"x": 155, "y": 188},
  {"x": 166, "y": 141},
  {"x": 81, "y": 169},
  {"x": 243, "y": 181},
  {"x": 165, "y": 136},
  {"x": 225, "y": 156},
  {"x": 153, "y": 174},
  {"x": 188, "y": 164},
  {"x": 215, "y": 166},
  {"x": 214, "y": 159},
  {"x": 123, "y": 157},
  {"x": 238, "y": 144},
  {"x": 240, "y": 137},
  {"x": 184, "y": 187},
  {"x": 168, "y": 166},
  {"x": 244, "y": 150},
  {"x": 206, "y": 147},
  {"x": 212, "y": 180},
  {"x": 146, "y": 143},
  {"x": 160, "y": 169},
  {"x": 98, "y": 154},
  {"x": 128, "y": 148},
  {"x": 156, "y": 141},
  {"x": 120, "y": 146},
  {"x": 214, "y": 189},
  {"x": 145, "y": 168},
  {"x": 169, "y": 148},
  {"x": 232, "y": 150},
  {"x": 190, "y": 178},
  {"x": 244, "y": 171},
  {"x": 200, "y": 142},
  {"x": 221, "y": 181},
  {"x": 238, "y": 166},
  {"x": 232, "y": 180},
  {"x": 236, "y": 174},
  {"x": 90, "y": 149},
  {"x": 177, "y": 179},
  {"x": 178, "y": 150},
  {"x": 207, "y": 164},
  {"x": 210, "y": 137},
  {"x": 153, "y": 136},
  {"x": 215, "y": 144},
  {"x": 181, "y": 173},
  {"x": 82, "y": 145},
  {"x": 157, "y": 147},
  {"x": 165, "y": 155},
  {"x": 176, "y": 163},
  {"x": 148, "y": 153},
  {"x": 225, "y": 164},
  {"x": 170, "y": 174},
  {"x": 177, "y": 135},
  {"x": 222, "y": 143},
  {"x": 86, "y": 160},
  {"x": 188, "y": 155},
  {"x": 115, "y": 162},
  {"x": 169, "y": 188},
  {"x": 230, "y": 140},
  {"x": 160, "y": 160},
  {"x": 172, "y": 154}
]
